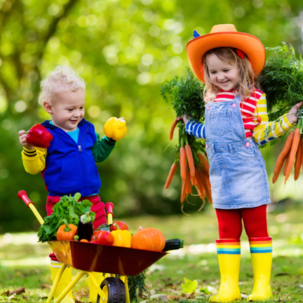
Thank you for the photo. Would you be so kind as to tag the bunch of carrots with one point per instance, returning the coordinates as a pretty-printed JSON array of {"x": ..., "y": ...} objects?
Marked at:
[
  {"x": 291, "y": 154},
  {"x": 185, "y": 95},
  {"x": 194, "y": 167}
]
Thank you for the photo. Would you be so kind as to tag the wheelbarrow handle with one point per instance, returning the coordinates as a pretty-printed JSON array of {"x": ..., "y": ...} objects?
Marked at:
[
  {"x": 23, "y": 196},
  {"x": 109, "y": 206}
]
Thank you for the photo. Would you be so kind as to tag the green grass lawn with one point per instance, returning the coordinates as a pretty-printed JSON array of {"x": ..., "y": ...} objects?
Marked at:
[{"x": 24, "y": 262}]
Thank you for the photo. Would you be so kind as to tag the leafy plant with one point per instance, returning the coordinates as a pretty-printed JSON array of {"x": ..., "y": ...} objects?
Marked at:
[
  {"x": 136, "y": 286},
  {"x": 189, "y": 286},
  {"x": 185, "y": 95},
  {"x": 282, "y": 80},
  {"x": 67, "y": 208}
]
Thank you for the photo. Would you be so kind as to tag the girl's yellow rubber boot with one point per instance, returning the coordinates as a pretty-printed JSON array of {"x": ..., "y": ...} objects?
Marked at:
[
  {"x": 261, "y": 257},
  {"x": 229, "y": 255},
  {"x": 63, "y": 283},
  {"x": 93, "y": 293}
]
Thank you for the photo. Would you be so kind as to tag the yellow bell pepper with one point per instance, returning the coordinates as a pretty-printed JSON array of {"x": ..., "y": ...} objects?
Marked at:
[
  {"x": 122, "y": 238},
  {"x": 115, "y": 128}
]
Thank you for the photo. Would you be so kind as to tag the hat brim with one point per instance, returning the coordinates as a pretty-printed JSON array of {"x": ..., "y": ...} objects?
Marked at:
[{"x": 249, "y": 44}]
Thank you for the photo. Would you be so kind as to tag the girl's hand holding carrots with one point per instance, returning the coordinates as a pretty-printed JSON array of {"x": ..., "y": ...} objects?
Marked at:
[
  {"x": 292, "y": 117},
  {"x": 291, "y": 154},
  {"x": 185, "y": 118}
]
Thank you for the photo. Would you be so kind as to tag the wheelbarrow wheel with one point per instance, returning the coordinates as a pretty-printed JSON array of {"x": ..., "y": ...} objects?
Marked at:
[{"x": 114, "y": 289}]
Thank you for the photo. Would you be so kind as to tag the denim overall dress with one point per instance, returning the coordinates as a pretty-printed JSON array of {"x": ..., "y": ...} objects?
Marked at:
[{"x": 237, "y": 169}]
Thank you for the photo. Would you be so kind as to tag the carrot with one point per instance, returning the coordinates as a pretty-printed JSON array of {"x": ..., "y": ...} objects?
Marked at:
[
  {"x": 282, "y": 157},
  {"x": 293, "y": 152},
  {"x": 173, "y": 126},
  {"x": 171, "y": 175},
  {"x": 286, "y": 164},
  {"x": 208, "y": 189},
  {"x": 204, "y": 161},
  {"x": 206, "y": 186},
  {"x": 298, "y": 161},
  {"x": 194, "y": 181},
  {"x": 190, "y": 160},
  {"x": 187, "y": 184},
  {"x": 207, "y": 180},
  {"x": 183, "y": 191},
  {"x": 183, "y": 164},
  {"x": 200, "y": 189}
]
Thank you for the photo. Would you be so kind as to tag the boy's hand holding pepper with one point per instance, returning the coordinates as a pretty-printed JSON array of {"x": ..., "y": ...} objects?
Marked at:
[
  {"x": 37, "y": 136},
  {"x": 115, "y": 128},
  {"x": 23, "y": 142}
]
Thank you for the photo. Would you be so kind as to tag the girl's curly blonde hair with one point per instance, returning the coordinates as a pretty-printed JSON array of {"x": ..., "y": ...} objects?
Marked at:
[
  {"x": 247, "y": 78},
  {"x": 60, "y": 80}
]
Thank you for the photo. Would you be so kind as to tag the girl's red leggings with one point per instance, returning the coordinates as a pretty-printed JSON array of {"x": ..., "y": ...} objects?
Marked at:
[{"x": 230, "y": 222}]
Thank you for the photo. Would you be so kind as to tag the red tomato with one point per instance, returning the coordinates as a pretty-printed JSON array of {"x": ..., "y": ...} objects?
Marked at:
[
  {"x": 95, "y": 235},
  {"x": 103, "y": 237},
  {"x": 121, "y": 224}
]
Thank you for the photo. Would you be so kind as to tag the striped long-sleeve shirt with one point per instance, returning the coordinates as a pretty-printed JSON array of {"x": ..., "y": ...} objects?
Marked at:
[
  {"x": 262, "y": 133},
  {"x": 248, "y": 107}
]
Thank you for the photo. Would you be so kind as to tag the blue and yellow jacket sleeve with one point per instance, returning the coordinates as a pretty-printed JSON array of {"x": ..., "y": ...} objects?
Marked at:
[
  {"x": 34, "y": 160},
  {"x": 268, "y": 130}
]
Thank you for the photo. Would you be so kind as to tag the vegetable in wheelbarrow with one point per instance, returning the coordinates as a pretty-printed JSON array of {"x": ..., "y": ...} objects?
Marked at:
[
  {"x": 122, "y": 238},
  {"x": 173, "y": 244},
  {"x": 102, "y": 237},
  {"x": 66, "y": 232},
  {"x": 67, "y": 208},
  {"x": 121, "y": 225},
  {"x": 85, "y": 226},
  {"x": 149, "y": 239}
]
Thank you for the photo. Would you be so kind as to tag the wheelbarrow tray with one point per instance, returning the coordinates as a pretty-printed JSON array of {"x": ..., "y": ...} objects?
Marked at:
[{"x": 103, "y": 258}]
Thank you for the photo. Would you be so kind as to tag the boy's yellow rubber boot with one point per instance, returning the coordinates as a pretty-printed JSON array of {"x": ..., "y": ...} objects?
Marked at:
[
  {"x": 92, "y": 288},
  {"x": 261, "y": 257},
  {"x": 63, "y": 283},
  {"x": 229, "y": 255}
]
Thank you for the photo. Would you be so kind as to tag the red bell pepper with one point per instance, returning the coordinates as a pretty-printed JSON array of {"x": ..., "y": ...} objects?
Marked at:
[
  {"x": 39, "y": 136},
  {"x": 118, "y": 225},
  {"x": 102, "y": 237}
]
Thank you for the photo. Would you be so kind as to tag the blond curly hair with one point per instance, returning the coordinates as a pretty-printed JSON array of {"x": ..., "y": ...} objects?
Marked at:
[
  {"x": 247, "y": 78},
  {"x": 60, "y": 80}
]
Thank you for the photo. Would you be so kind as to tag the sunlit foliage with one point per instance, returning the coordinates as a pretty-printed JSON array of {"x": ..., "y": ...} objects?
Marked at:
[{"x": 124, "y": 50}]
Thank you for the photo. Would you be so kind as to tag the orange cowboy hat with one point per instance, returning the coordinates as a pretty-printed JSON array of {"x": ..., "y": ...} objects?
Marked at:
[{"x": 225, "y": 35}]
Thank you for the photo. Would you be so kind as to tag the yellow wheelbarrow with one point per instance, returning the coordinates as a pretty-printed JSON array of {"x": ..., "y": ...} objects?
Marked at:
[{"x": 89, "y": 258}]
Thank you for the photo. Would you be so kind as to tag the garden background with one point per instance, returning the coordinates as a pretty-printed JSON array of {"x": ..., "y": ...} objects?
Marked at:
[{"x": 124, "y": 50}]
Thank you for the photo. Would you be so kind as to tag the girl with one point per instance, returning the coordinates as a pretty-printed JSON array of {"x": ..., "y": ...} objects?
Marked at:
[{"x": 236, "y": 121}]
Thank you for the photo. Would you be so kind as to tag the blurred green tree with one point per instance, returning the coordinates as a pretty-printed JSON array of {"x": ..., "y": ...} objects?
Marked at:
[{"x": 124, "y": 50}]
